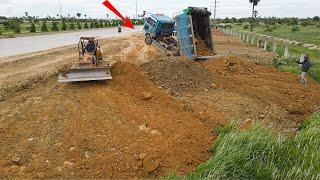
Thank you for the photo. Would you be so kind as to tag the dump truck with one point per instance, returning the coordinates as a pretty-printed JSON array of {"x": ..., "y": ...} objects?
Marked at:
[
  {"x": 90, "y": 65},
  {"x": 188, "y": 33}
]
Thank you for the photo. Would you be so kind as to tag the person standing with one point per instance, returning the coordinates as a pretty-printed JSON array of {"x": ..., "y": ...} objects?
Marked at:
[
  {"x": 304, "y": 66},
  {"x": 119, "y": 28}
]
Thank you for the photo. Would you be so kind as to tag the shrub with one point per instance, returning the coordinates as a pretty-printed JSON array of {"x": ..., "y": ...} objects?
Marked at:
[
  {"x": 2, "y": 30},
  {"x": 246, "y": 26},
  {"x": 71, "y": 26},
  {"x": 295, "y": 28},
  {"x": 101, "y": 24},
  {"x": 268, "y": 29},
  {"x": 79, "y": 25},
  {"x": 91, "y": 25},
  {"x": 44, "y": 27},
  {"x": 86, "y": 25},
  {"x": 64, "y": 26},
  {"x": 54, "y": 26},
  {"x": 33, "y": 28},
  {"x": 106, "y": 24},
  {"x": 96, "y": 24}
]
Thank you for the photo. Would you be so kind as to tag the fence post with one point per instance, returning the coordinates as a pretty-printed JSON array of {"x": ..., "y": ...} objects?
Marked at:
[
  {"x": 248, "y": 38},
  {"x": 286, "y": 52},
  {"x": 258, "y": 42},
  {"x": 252, "y": 40},
  {"x": 274, "y": 49},
  {"x": 265, "y": 45}
]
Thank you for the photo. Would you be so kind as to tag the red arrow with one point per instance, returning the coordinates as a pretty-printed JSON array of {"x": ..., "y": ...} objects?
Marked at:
[{"x": 126, "y": 20}]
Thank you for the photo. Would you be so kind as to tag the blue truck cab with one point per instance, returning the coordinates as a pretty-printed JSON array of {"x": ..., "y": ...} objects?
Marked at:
[{"x": 158, "y": 26}]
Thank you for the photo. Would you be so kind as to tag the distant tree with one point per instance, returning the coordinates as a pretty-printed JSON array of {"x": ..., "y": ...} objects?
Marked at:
[
  {"x": 295, "y": 28},
  {"x": 16, "y": 27},
  {"x": 316, "y": 18},
  {"x": 106, "y": 24},
  {"x": 33, "y": 28},
  {"x": 96, "y": 24},
  {"x": 54, "y": 26},
  {"x": 79, "y": 25},
  {"x": 64, "y": 26},
  {"x": 254, "y": 3},
  {"x": 86, "y": 25},
  {"x": 101, "y": 24},
  {"x": 71, "y": 26},
  {"x": 79, "y": 15},
  {"x": 92, "y": 25},
  {"x": 44, "y": 27},
  {"x": 85, "y": 16}
]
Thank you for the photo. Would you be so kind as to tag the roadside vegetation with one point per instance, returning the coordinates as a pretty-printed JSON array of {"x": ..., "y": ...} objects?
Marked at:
[
  {"x": 10, "y": 27},
  {"x": 259, "y": 153}
]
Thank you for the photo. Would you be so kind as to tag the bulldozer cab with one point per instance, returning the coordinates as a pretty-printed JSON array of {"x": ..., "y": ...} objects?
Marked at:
[
  {"x": 90, "y": 65},
  {"x": 194, "y": 33}
]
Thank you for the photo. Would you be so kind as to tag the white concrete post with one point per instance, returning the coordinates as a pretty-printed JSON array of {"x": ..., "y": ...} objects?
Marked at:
[
  {"x": 248, "y": 38},
  {"x": 252, "y": 40},
  {"x": 286, "y": 52},
  {"x": 265, "y": 45},
  {"x": 274, "y": 49},
  {"x": 258, "y": 43}
]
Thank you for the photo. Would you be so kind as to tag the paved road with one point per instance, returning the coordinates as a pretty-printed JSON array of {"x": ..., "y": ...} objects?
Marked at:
[{"x": 20, "y": 45}]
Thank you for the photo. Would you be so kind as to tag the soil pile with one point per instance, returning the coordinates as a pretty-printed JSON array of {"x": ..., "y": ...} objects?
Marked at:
[
  {"x": 202, "y": 48},
  {"x": 179, "y": 75},
  {"x": 267, "y": 84}
]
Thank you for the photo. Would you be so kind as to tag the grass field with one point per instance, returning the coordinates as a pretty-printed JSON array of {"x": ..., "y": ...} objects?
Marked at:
[
  {"x": 261, "y": 154},
  {"x": 309, "y": 34}
]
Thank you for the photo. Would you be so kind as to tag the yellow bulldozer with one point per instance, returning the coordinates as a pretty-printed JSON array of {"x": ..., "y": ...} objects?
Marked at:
[{"x": 90, "y": 66}]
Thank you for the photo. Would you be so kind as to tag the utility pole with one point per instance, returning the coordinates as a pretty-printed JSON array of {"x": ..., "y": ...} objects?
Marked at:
[
  {"x": 136, "y": 9},
  {"x": 60, "y": 10},
  {"x": 215, "y": 10}
]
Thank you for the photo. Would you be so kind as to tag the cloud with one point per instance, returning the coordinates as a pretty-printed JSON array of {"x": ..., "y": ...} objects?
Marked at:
[{"x": 94, "y": 8}]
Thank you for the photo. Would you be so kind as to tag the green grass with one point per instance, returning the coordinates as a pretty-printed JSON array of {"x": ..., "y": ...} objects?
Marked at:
[
  {"x": 261, "y": 154},
  {"x": 309, "y": 34}
]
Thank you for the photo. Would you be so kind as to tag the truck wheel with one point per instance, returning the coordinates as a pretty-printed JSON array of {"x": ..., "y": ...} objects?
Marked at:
[{"x": 148, "y": 40}]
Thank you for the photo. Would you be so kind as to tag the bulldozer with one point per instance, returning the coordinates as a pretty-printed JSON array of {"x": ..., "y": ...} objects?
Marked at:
[{"x": 90, "y": 65}]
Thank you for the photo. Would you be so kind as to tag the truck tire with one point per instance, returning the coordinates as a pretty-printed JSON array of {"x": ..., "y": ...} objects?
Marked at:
[{"x": 148, "y": 40}]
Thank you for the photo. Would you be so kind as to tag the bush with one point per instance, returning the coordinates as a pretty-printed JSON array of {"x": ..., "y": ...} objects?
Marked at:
[
  {"x": 268, "y": 29},
  {"x": 86, "y": 26},
  {"x": 54, "y": 26},
  {"x": 2, "y": 30},
  {"x": 71, "y": 26},
  {"x": 16, "y": 26},
  {"x": 96, "y": 24},
  {"x": 246, "y": 26},
  {"x": 106, "y": 24},
  {"x": 64, "y": 26},
  {"x": 44, "y": 27},
  {"x": 295, "y": 28},
  {"x": 33, "y": 28},
  {"x": 91, "y": 25},
  {"x": 79, "y": 25},
  {"x": 261, "y": 154},
  {"x": 101, "y": 24}
]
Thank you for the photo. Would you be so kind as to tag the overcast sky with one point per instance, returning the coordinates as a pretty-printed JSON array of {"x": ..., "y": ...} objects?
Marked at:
[{"x": 225, "y": 8}]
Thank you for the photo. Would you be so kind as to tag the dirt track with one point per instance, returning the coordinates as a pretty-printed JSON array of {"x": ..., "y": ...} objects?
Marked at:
[{"x": 144, "y": 123}]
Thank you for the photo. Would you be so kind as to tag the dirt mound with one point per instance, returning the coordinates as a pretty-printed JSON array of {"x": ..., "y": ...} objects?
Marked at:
[
  {"x": 267, "y": 84},
  {"x": 125, "y": 128},
  {"x": 179, "y": 75}
]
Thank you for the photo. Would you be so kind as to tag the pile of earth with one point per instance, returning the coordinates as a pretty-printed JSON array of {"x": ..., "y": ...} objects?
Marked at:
[
  {"x": 179, "y": 75},
  {"x": 202, "y": 48}
]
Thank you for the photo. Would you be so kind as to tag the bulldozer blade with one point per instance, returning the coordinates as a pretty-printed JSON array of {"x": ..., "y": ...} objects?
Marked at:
[{"x": 90, "y": 74}]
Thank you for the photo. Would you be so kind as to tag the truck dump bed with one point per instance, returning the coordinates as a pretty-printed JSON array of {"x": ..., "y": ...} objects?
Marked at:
[{"x": 194, "y": 33}]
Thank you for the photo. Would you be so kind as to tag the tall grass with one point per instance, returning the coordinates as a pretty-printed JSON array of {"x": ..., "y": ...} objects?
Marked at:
[{"x": 261, "y": 154}]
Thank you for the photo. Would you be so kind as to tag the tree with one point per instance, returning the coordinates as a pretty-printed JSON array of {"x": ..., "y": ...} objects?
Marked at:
[
  {"x": 54, "y": 26},
  {"x": 316, "y": 18},
  {"x": 79, "y": 15},
  {"x": 254, "y": 3},
  {"x": 64, "y": 26},
  {"x": 106, "y": 24},
  {"x": 33, "y": 28},
  {"x": 72, "y": 26},
  {"x": 101, "y": 24},
  {"x": 44, "y": 27},
  {"x": 79, "y": 25},
  {"x": 96, "y": 24},
  {"x": 86, "y": 25},
  {"x": 91, "y": 25}
]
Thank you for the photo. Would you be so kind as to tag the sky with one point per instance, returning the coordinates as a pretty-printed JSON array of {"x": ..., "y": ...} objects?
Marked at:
[{"x": 95, "y": 9}]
